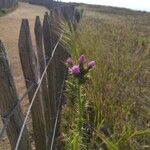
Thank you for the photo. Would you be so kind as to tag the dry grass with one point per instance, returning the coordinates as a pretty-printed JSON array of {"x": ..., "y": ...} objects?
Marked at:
[
  {"x": 9, "y": 33},
  {"x": 118, "y": 92}
]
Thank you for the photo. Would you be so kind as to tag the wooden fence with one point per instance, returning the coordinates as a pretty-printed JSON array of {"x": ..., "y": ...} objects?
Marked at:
[
  {"x": 68, "y": 10},
  {"x": 8, "y": 3},
  {"x": 39, "y": 2},
  {"x": 44, "y": 73}
]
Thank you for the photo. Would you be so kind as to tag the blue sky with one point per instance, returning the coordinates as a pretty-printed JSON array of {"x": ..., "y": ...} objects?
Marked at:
[{"x": 132, "y": 4}]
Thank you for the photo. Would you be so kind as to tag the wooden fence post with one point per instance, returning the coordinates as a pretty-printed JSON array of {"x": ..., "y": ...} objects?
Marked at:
[
  {"x": 29, "y": 66},
  {"x": 57, "y": 70},
  {"x": 42, "y": 65},
  {"x": 61, "y": 56},
  {"x": 51, "y": 69},
  {"x": 49, "y": 44},
  {"x": 8, "y": 101}
]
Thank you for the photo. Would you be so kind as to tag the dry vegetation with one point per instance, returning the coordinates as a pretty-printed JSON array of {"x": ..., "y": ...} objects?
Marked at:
[{"x": 118, "y": 93}]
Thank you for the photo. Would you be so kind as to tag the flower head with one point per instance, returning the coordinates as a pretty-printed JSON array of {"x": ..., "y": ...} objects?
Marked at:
[
  {"x": 80, "y": 70},
  {"x": 75, "y": 70},
  {"x": 91, "y": 65},
  {"x": 82, "y": 59},
  {"x": 69, "y": 61}
]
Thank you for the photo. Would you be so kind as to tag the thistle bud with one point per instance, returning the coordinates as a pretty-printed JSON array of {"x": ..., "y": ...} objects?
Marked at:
[
  {"x": 91, "y": 65},
  {"x": 69, "y": 61},
  {"x": 82, "y": 59}
]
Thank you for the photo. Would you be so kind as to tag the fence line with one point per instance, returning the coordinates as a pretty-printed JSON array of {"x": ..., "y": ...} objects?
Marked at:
[
  {"x": 43, "y": 70},
  {"x": 30, "y": 65},
  {"x": 6, "y": 118},
  {"x": 32, "y": 101},
  {"x": 42, "y": 61},
  {"x": 9, "y": 99}
]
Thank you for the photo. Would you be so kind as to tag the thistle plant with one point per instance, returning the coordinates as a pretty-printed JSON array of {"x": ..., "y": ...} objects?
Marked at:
[{"x": 79, "y": 74}]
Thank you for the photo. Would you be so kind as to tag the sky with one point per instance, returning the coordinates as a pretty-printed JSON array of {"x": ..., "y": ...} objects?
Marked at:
[{"x": 132, "y": 4}]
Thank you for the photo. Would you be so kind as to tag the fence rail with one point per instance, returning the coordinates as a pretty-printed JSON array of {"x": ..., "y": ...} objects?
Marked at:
[{"x": 44, "y": 74}]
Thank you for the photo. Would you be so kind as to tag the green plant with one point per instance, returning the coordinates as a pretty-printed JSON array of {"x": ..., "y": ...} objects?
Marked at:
[{"x": 76, "y": 136}]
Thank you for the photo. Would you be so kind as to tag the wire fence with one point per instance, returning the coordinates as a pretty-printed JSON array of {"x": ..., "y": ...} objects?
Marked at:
[
  {"x": 33, "y": 99},
  {"x": 44, "y": 112},
  {"x": 7, "y": 117}
]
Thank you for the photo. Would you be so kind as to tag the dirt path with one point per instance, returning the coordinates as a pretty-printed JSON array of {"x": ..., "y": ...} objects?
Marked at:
[{"x": 9, "y": 33}]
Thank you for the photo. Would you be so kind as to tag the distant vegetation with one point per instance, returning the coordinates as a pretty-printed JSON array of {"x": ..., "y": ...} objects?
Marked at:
[
  {"x": 118, "y": 104},
  {"x": 5, "y": 11},
  {"x": 109, "y": 9},
  {"x": 1, "y": 13},
  {"x": 23, "y": 0}
]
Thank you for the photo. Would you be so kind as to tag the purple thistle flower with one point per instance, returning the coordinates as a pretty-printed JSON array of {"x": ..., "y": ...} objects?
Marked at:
[
  {"x": 91, "y": 65},
  {"x": 69, "y": 61},
  {"x": 75, "y": 70},
  {"x": 82, "y": 59}
]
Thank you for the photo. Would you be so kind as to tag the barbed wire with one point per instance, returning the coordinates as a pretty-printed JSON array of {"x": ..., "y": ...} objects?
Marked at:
[
  {"x": 36, "y": 91},
  {"x": 6, "y": 117}
]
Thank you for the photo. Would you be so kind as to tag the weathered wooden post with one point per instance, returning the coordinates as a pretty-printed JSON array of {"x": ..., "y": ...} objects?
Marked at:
[
  {"x": 51, "y": 69},
  {"x": 31, "y": 74},
  {"x": 9, "y": 101},
  {"x": 56, "y": 71},
  {"x": 61, "y": 70},
  {"x": 42, "y": 65}
]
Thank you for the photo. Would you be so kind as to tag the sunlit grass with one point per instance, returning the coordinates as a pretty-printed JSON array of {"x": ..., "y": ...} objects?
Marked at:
[{"x": 118, "y": 92}]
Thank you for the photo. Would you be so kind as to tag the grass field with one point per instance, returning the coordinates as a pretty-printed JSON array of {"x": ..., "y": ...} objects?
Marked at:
[{"x": 118, "y": 92}]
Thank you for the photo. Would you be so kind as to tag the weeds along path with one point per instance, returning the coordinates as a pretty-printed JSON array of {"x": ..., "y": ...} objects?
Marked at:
[{"x": 9, "y": 34}]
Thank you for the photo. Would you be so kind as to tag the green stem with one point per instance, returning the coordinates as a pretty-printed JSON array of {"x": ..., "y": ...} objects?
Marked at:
[{"x": 80, "y": 105}]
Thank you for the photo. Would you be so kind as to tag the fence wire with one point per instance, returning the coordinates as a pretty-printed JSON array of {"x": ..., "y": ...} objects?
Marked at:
[
  {"x": 2, "y": 131},
  {"x": 6, "y": 117},
  {"x": 36, "y": 91}
]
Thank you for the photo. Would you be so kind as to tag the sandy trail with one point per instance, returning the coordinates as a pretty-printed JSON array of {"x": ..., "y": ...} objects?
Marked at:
[{"x": 9, "y": 33}]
